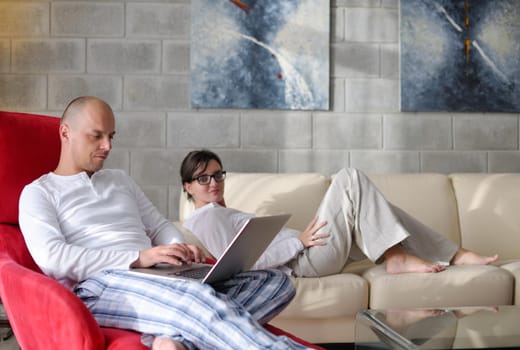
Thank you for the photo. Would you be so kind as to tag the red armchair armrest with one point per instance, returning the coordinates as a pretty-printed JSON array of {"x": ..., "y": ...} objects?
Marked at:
[
  {"x": 46, "y": 315},
  {"x": 43, "y": 313}
]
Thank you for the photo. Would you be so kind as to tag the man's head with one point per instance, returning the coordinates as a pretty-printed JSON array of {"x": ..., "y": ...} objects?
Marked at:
[{"x": 86, "y": 131}]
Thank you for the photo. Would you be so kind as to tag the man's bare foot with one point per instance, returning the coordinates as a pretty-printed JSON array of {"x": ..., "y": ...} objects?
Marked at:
[
  {"x": 166, "y": 344},
  {"x": 399, "y": 261},
  {"x": 467, "y": 257}
]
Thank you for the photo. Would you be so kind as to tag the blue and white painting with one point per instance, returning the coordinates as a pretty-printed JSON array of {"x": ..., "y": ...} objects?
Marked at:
[
  {"x": 460, "y": 55},
  {"x": 260, "y": 54}
]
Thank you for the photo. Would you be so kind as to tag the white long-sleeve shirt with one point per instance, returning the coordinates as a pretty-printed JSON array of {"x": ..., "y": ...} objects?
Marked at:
[
  {"x": 216, "y": 226},
  {"x": 76, "y": 226}
]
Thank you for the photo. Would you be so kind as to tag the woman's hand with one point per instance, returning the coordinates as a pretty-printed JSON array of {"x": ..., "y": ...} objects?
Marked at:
[
  {"x": 310, "y": 237},
  {"x": 175, "y": 254}
]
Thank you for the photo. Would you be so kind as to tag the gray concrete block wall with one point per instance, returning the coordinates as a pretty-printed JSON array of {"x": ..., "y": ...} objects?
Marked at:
[
  {"x": 87, "y": 19},
  {"x": 62, "y": 88},
  {"x": 209, "y": 130},
  {"x": 47, "y": 55},
  {"x": 5, "y": 55},
  {"x": 135, "y": 55}
]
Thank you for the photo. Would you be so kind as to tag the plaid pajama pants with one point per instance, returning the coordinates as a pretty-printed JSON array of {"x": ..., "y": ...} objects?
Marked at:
[{"x": 226, "y": 315}]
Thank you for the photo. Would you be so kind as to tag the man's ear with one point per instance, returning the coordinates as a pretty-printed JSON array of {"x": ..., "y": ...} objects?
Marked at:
[{"x": 64, "y": 132}]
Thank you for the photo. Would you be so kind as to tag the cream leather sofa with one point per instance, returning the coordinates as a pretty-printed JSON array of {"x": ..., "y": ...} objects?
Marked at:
[{"x": 479, "y": 211}]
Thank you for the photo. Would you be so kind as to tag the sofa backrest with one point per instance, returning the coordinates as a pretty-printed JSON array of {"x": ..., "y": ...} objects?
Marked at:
[
  {"x": 489, "y": 212},
  {"x": 429, "y": 197}
]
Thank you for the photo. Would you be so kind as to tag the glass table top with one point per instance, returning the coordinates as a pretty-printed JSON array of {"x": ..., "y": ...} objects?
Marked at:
[{"x": 451, "y": 328}]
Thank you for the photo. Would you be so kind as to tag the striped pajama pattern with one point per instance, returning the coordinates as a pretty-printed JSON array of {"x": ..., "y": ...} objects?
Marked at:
[{"x": 226, "y": 315}]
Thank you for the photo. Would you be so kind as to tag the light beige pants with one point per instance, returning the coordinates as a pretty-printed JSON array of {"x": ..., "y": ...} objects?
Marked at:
[{"x": 361, "y": 224}]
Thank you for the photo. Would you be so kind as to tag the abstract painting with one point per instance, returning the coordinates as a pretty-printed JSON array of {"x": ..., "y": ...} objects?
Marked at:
[
  {"x": 260, "y": 54},
  {"x": 460, "y": 55}
]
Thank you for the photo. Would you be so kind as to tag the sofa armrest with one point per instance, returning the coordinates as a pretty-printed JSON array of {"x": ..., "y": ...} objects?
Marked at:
[{"x": 43, "y": 313}]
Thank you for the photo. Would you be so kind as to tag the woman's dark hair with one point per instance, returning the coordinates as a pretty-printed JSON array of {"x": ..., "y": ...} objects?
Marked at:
[{"x": 195, "y": 160}]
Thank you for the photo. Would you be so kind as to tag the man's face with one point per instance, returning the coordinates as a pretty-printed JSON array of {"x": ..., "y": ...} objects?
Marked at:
[{"x": 90, "y": 139}]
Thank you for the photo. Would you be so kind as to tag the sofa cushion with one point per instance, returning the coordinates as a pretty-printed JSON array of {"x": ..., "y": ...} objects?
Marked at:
[
  {"x": 324, "y": 331},
  {"x": 325, "y": 297},
  {"x": 488, "y": 207},
  {"x": 514, "y": 268},
  {"x": 191, "y": 238},
  {"x": 427, "y": 197},
  {"x": 269, "y": 194},
  {"x": 22, "y": 157},
  {"x": 456, "y": 286}
]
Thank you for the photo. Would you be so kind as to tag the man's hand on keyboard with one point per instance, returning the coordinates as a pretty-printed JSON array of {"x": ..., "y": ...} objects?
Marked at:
[{"x": 175, "y": 254}]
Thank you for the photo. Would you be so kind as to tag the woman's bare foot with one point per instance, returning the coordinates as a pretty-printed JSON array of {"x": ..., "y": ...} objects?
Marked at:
[
  {"x": 399, "y": 261},
  {"x": 467, "y": 257},
  {"x": 166, "y": 344}
]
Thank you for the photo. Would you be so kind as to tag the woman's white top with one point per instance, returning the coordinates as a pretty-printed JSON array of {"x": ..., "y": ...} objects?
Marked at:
[{"x": 216, "y": 226}]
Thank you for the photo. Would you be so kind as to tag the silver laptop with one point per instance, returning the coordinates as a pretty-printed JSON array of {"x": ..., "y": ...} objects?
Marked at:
[{"x": 240, "y": 255}]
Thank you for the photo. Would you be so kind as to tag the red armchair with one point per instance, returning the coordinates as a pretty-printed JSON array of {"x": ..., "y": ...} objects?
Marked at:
[{"x": 43, "y": 313}]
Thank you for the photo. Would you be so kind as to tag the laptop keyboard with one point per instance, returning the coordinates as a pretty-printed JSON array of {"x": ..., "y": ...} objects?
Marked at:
[{"x": 195, "y": 273}]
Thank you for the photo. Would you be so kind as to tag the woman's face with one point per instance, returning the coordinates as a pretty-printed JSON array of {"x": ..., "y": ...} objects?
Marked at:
[{"x": 204, "y": 194}]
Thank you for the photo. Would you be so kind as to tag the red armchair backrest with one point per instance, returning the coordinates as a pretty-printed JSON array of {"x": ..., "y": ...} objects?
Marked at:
[{"x": 29, "y": 147}]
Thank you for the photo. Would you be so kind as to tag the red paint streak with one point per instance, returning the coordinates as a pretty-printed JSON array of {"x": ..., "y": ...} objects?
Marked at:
[{"x": 241, "y": 5}]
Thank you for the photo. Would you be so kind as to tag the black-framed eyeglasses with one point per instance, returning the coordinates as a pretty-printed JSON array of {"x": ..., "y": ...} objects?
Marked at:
[{"x": 219, "y": 176}]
